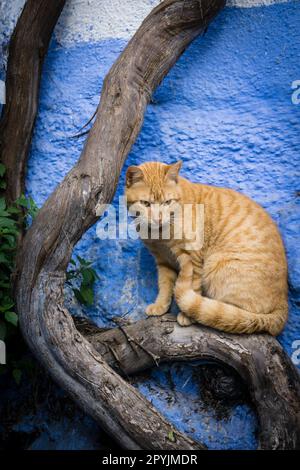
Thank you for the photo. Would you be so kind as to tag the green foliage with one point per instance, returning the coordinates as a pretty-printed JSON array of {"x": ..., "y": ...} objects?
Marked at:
[
  {"x": 12, "y": 219},
  {"x": 81, "y": 276},
  {"x": 9, "y": 230},
  {"x": 29, "y": 205},
  {"x": 83, "y": 272}
]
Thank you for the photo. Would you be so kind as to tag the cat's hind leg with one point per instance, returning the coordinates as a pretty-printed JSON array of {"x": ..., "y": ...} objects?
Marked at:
[
  {"x": 184, "y": 283},
  {"x": 236, "y": 308}
]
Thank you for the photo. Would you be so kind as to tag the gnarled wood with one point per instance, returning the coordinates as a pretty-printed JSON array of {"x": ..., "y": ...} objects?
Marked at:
[
  {"x": 271, "y": 378},
  {"x": 71, "y": 210},
  {"x": 27, "y": 49}
]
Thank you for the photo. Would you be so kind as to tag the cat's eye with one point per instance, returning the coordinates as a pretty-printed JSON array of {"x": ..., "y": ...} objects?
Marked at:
[
  {"x": 168, "y": 202},
  {"x": 145, "y": 203}
]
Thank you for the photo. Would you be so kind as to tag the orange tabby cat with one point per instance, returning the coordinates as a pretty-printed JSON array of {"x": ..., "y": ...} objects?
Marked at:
[{"x": 237, "y": 280}]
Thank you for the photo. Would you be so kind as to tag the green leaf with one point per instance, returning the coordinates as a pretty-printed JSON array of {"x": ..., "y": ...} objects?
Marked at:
[
  {"x": 6, "y": 247},
  {"x": 83, "y": 261},
  {"x": 78, "y": 296},
  {"x": 4, "y": 259},
  {"x": 12, "y": 231},
  {"x": 32, "y": 208},
  {"x": 87, "y": 277},
  {"x": 4, "y": 307},
  {"x": 2, "y": 185},
  {"x": 4, "y": 213},
  {"x": 12, "y": 318},
  {"x": 2, "y": 169},
  {"x": 5, "y": 222},
  {"x": 171, "y": 436},
  {"x": 11, "y": 240},
  {"x": 87, "y": 294},
  {"x": 2, "y": 204},
  {"x": 22, "y": 201},
  {"x": 17, "y": 375},
  {"x": 14, "y": 210}
]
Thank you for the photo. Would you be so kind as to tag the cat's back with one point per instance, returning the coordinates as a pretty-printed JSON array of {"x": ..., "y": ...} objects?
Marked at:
[{"x": 235, "y": 221}]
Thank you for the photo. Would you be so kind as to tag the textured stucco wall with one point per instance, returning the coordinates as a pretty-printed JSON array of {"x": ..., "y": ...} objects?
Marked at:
[{"x": 226, "y": 110}]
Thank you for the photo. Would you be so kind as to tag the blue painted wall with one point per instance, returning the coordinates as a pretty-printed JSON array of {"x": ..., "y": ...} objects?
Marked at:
[{"x": 225, "y": 109}]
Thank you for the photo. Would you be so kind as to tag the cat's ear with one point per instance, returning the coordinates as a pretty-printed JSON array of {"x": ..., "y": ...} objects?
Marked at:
[
  {"x": 133, "y": 175},
  {"x": 173, "y": 171}
]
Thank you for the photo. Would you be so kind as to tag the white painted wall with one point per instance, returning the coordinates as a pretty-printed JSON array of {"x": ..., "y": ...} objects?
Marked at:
[{"x": 93, "y": 20}]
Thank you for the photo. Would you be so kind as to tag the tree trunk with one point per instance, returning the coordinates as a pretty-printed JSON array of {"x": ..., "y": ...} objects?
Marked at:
[
  {"x": 27, "y": 49},
  {"x": 271, "y": 378}
]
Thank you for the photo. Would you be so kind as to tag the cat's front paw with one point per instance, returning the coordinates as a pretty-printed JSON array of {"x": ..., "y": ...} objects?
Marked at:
[
  {"x": 156, "y": 310},
  {"x": 183, "y": 320}
]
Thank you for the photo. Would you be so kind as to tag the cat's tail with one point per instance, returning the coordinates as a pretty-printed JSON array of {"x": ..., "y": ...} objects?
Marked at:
[
  {"x": 226, "y": 317},
  {"x": 229, "y": 318}
]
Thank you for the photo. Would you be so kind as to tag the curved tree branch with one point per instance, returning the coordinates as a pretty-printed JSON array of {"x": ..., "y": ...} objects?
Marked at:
[
  {"x": 72, "y": 209},
  {"x": 271, "y": 378},
  {"x": 27, "y": 49}
]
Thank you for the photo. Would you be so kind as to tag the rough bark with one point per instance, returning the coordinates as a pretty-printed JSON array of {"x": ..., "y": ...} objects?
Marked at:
[
  {"x": 271, "y": 378},
  {"x": 71, "y": 210},
  {"x": 27, "y": 49}
]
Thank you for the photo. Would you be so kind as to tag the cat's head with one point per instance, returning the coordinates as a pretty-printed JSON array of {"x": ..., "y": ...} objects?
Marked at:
[{"x": 152, "y": 190}]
